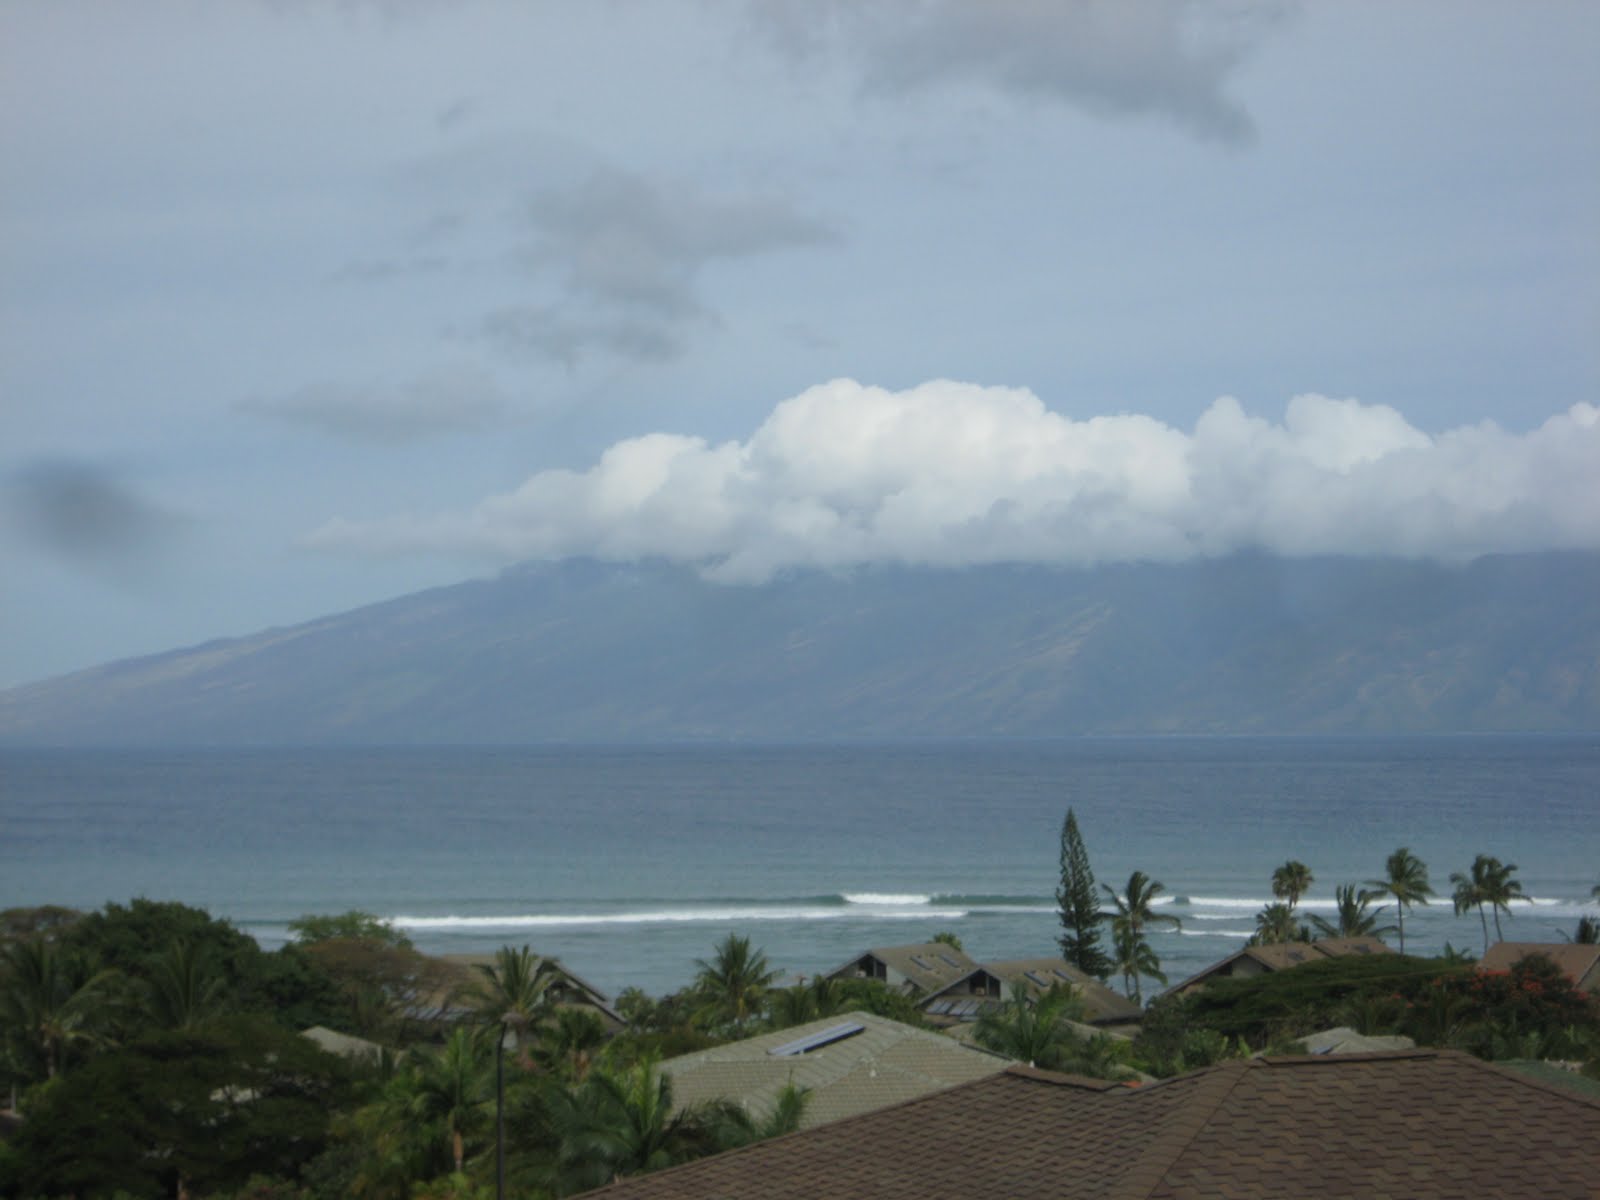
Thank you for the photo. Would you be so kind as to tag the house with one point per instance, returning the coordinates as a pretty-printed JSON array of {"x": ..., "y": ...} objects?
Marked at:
[
  {"x": 1581, "y": 964},
  {"x": 989, "y": 986},
  {"x": 1279, "y": 956},
  {"x": 1422, "y": 1124},
  {"x": 345, "y": 1045},
  {"x": 915, "y": 970},
  {"x": 849, "y": 1064}
]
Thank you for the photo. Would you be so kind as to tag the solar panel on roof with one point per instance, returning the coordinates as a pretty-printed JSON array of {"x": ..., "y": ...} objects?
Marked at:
[
  {"x": 921, "y": 962},
  {"x": 1037, "y": 978},
  {"x": 826, "y": 1037},
  {"x": 952, "y": 962},
  {"x": 1060, "y": 972}
]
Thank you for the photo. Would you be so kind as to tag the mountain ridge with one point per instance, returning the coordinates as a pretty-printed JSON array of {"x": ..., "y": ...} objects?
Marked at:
[{"x": 581, "y": 651}]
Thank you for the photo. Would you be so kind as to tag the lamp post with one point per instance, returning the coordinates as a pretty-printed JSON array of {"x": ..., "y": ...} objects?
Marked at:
[{"x": 500, "y": 1113}]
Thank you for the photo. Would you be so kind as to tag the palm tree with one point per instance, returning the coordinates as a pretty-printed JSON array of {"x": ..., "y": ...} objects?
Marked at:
[
  {"x": 569, "y": 1042},
  {"x": 51, "y": 1001},
  {"x": 613, "y": 1125},
  {"x": 1034, "y": 1031},
  {"x": 1134, "y": 958},
  {"x": 1405, "y": 882},
  {"x": 733, "y": 985},
  {"x": 448, "y": 1091},
  {"x": 1291, "y": 881},
  {"x": 186, "y": 989},
  {"x": 1134, "y": 907},
  {"x": 1489, "y": 883},
  {"x": 1354, "y": 919},
  {"x": 1275, "y": 924},
  {"x": 517, "y": 990}
]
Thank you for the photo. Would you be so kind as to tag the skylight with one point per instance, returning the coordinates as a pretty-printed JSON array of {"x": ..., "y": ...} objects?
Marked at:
[{"x": 815, "y": 1041}]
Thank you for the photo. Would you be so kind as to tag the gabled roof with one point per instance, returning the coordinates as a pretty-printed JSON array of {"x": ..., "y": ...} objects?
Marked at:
[
  {"x": 883, "y": 1063},
  {"x": 343, "y": 1044},
  {"x": 571, "y": 988},
  {"x": 1581, "y": 964},
  {"x": 928, "y": 965},
  {"x": 1421, "y": 1124},
  {"x": 1038, "y": 975},
  {"x": 1280, "y": 956}
]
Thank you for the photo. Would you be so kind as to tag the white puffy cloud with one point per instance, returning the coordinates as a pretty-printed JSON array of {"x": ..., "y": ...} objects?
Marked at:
[{"x": 956, "y": 474}]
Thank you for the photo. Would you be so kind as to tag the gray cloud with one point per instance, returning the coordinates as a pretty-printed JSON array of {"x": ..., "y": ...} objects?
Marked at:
[
  {"x": 627, "y": 253},
  {"x": 82, "y": 512},
  {"x": 455, "y": 399},
  {"x": 1168, "y": 59},
  {"x": 951, "y": 474}
]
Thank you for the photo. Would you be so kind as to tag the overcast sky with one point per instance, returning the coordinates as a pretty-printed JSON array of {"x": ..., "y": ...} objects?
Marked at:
[{"x": 308, "y": 304}]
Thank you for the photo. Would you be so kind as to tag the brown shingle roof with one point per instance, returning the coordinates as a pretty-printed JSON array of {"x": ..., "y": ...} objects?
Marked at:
[
  {"x": 885, "y": 1063},
  {"x": 1579, "y": 963},
  {"x": 929, "y": 966},
  {"x": 1424, "y": 1125},
  {"x": 1038, "y": 975},
  {"x": 1280, "y": 956}
]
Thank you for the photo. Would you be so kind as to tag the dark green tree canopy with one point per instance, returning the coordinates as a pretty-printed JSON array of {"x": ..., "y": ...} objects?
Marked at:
[{"x": 1079, "y": 905}]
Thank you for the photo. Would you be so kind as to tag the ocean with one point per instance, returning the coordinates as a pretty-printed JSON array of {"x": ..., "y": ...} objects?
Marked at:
[{"x": 630, "y": 862}]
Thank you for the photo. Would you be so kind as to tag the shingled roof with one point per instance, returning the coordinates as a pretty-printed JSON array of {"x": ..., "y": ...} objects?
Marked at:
[
  {"x": 1422, "y": 1124},
  {"x": 1577, "y": 962},
  {"x": 1280, "y": 956},
  {"x": 987, "y": 987},
  {"x": 860, "y": 1062},
  {"x": 919, "y": 969}
]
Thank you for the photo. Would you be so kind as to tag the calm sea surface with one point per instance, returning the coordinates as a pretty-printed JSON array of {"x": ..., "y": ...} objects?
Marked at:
[{"x": 629, "y": 863}]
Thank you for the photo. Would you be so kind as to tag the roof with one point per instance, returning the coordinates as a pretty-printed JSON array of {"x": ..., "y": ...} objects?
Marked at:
[
  {"x": 1422, "y": 1124},
  {"x": 884, "y": 1063},
  {"x": 1038, "y": 975},
  {"x": 343, "y": 1044},
  {"x": 1344, "y": 1040},
  {"x": 1575, "y": 961},
  {"x": 928, "y": 965},
  {"x": 1280, "y": 956}
]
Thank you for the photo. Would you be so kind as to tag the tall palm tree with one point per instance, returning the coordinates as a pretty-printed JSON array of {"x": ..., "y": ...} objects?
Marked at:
[
  {"x": 51, "y": 1001},
  {"x": 1405, "y": 882},
  {"x": 1134, "y": 907},
  {"x": 1499, "y": 889},
  {"x": 1291, "y": 881},
  {"x": 733, "y": 985},
  {"x": 1353, "y": 918}
]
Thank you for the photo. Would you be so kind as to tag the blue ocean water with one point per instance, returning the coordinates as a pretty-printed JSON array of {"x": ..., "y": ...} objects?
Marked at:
[{"x": 631, "y": 862}]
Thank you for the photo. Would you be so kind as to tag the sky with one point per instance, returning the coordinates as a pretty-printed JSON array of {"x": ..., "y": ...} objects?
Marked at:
[{"x": 306, "y": 304}]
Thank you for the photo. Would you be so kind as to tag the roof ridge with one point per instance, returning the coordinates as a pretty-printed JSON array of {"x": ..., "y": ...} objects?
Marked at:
[{"x": 1213, "y": 1085}]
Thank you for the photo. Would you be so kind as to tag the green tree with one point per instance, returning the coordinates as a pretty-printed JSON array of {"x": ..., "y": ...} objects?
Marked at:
[
  {"x": 616, "y": 1124},
  {"x": 1487, "y": 885},
  {"x": 185, "y": 989},
  {"x": 1291, "y": 881},
  {"x": 321, "y": 927},
  {"x": 196, "y": 1111},
  {"x": 733, "y": 985},
  {"x": 1079, "y": 905},
  {"x": 1405, "y": 881},
  {"x": 1354, "y": 918},
  {"x": 946, "y": 938},
  {"x": 516, "y": 991},
  {"x": 1135, "y": 959},
  {"x": 1276, "y": 924},
  {"x": 1034, "y": 1031},
  {"x": 51, "y": 1001},
  {"x": 448, "y": 1092}
]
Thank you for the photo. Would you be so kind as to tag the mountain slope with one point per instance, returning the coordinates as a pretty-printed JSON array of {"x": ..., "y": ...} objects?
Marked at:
[{"x": 587, "y": 652}]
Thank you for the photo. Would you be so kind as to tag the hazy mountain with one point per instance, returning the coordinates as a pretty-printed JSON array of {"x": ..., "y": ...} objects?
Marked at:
[{"x": 580, "y": 651}]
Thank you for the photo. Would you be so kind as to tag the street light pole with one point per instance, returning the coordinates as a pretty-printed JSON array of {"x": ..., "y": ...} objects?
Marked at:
[{"x": 500, "y": 1114}]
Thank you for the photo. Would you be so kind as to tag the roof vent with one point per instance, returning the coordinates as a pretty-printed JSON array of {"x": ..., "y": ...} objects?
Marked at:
[{"x": 815, "y": 1041}]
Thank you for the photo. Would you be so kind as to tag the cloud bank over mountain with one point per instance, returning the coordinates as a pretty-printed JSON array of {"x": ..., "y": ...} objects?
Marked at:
[{"x": 956, "y": 474}]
